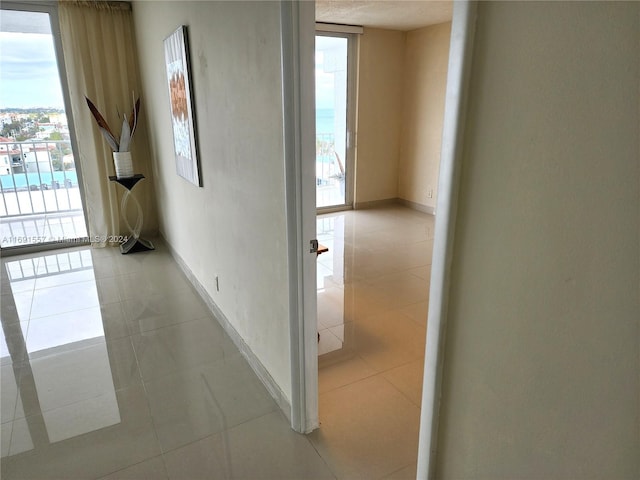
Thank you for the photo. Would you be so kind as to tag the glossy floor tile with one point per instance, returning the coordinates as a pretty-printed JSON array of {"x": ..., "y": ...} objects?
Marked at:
[
  {"x": 368, "y": 429},
  {"x": 113, "y": 367},
  {"x": 373, "y": 297},
  {"x": 262, "y": 448}
]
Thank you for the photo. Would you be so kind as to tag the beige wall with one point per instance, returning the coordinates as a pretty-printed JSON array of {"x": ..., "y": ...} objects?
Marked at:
[
  {"x": 234, "y": 226},
  {"x": 401, "y": 87},
  {"x": 425, "y": 78},
  {"x": 380, "y": 75},
  {"x": 542, "y": 348}
]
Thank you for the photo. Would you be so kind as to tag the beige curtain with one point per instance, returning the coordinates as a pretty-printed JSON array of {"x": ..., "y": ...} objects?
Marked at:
[{"x": 101, "y": 63}]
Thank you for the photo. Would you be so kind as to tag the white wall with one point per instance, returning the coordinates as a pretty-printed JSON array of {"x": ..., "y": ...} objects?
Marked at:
[
  {"x": 234, "y": 226},
  {"x": 425, "y": 78},
  {"x": 542, "y": 348}
]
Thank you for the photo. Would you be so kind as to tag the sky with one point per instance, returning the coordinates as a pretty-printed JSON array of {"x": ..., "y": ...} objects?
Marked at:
[{"x": 28, "y": 71}]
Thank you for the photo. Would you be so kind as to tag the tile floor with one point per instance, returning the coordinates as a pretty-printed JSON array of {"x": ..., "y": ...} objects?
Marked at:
[
  {"x": 373, "y": 290},
  {"x": 97, "y": 385}
]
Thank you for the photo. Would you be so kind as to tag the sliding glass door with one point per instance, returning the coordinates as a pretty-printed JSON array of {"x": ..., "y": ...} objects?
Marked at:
[
  {"x": 334, "y": 120},
  {"x": 40, "y": 180}
]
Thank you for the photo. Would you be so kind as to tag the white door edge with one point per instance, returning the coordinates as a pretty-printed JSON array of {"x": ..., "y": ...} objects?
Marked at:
[
  {"x": 298, "y": 99},
  {"x": 460, "y": 57}
]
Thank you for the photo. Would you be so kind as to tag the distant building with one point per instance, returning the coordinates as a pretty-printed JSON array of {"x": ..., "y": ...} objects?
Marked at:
[
  {"x": 5, "y": 164},
  {"x": 10, "y": 157},
  {"x": 58, "y": 118},
  {"x": 69, "y": 162},
  {"x": 38, "y": 159}
]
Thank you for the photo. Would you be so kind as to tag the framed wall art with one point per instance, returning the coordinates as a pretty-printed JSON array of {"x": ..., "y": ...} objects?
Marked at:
[{"x": 176, "y": 54}]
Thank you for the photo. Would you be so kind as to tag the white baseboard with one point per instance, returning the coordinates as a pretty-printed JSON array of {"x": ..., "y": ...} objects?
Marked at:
[
  {"x": 417, "y": 206},
  {"x": 374, "y": 203},
  {"x": 256, "y": 365},
  {"x": 392, "y": 201}
]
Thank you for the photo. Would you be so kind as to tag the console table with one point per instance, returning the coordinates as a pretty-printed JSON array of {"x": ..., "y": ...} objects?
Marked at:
[{"x": 134, "y": 243}]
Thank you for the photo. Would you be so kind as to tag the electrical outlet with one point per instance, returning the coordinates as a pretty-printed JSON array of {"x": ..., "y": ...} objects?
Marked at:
[{"x": 217, "y": 284}]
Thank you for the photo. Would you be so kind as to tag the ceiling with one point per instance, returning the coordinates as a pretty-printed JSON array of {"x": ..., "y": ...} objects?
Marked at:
[{"x": 391, "y": 14}]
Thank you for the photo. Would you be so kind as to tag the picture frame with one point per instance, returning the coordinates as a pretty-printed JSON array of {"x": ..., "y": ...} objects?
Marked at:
[{"x": 183, "y": 124}]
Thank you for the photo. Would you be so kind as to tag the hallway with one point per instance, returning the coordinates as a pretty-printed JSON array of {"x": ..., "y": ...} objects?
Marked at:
[{"x": 112, "y": 366}]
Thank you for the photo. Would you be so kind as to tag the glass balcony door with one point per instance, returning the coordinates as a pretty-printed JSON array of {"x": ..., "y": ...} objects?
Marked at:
[
  {"x": 39, "y": 179},
  {"x": 334, "y": 109}
]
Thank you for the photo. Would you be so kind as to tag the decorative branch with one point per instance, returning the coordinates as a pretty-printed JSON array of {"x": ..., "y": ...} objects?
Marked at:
[
  {"x": 125, "y": 136},
  {"x": 133, "y": 119},
  {"x": 128, "y": 127}
]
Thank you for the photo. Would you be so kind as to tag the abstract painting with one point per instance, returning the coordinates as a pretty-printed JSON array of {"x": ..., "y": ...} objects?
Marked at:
[{"x": 176, "y": 54}]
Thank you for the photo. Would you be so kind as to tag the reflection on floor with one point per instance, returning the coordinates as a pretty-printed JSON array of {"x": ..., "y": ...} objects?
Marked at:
[
  {"x": 373, "y": 290},
  {"x": 112, "y": 367},
  {"x": 40, "y": 227}
]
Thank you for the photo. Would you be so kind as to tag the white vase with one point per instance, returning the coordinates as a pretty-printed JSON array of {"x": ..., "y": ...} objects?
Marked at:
[{"x": 123, "y": 164}]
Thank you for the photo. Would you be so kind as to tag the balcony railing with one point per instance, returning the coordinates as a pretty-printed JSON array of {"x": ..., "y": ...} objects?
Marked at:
[
  {"x": 38, "y": 177},
  {"x": 326, "y": 168},
  {"x": 330, "y": 172}
]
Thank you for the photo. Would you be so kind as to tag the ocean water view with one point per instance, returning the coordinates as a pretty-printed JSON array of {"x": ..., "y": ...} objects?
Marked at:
[{"x": 325, "y": 118}]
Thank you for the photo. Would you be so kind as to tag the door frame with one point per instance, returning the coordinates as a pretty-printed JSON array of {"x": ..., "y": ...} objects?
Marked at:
[
  {"x": 451, "y": 157},
  {"x": 298, "y": 27},
  {"x": 297, "y": 40}
]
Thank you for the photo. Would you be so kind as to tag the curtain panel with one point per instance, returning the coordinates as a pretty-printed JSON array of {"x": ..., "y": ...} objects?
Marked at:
[{"x": 101, "y": 63}]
